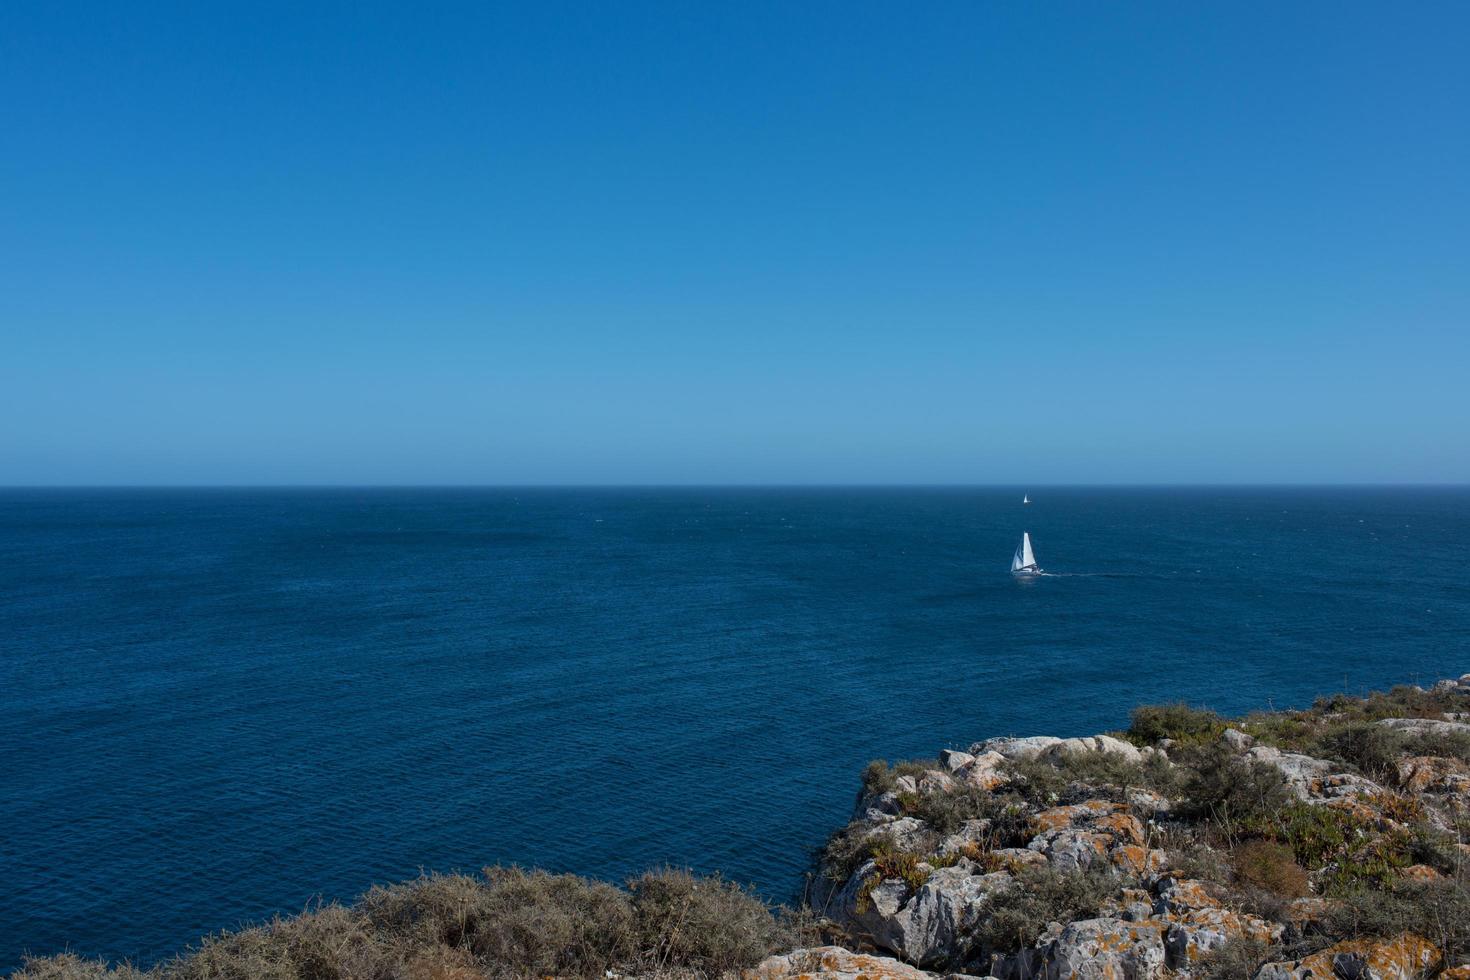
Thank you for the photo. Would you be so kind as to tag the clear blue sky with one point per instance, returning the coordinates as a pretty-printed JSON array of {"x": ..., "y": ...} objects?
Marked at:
[{"x": 790, "y": 242}]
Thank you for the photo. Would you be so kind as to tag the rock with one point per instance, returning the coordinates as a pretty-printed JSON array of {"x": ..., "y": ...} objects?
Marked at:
[
  {"x": 983, "y": 771},
  {"x": 1426, "y": 726},
  {"x": 1071, "y": 850},
  {"x": 1130, "y": 904},
  {"x": 928, "y": 926},
  {"x": 1402, "y": 958},
  {"x": 882, "y": 806},
  {"x": 1133, "y": 859},
  {"x": 833, "y": 963},
  {"x": 952, "y": 760},
  {"x": 1430, "y": 774},
  {"x": 1421, "y": 873},
  {"x": 1194, "y": 932},
  {"x": 934, "y": 781},
  {"x": 1177, "y": 894},
  {"x": 1313, "y": 780},
  {"x": 1147, "y": 801},
  {"x": 1105, "y": 744},
  {"x": 1300, "y": 770},
  {"x": 1015, "y": 748},
  {"x": 1237, "y": 740},
  {"x": 1106, "y": 949},
  {"x": 1307, "y": 914},
  {"x": 1063, "y": 817},
  {"x": 1124, "y": 827},
  {"x": 1445, "y": 686}
]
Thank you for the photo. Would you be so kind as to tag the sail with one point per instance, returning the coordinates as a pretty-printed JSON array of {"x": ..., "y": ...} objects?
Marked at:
[
  {"x": 1023, "y": 558},
  {"x": 1025, "y": 498}
]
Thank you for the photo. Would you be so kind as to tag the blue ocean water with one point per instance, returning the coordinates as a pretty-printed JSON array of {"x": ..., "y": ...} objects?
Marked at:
[{"x": 219, "y": 704}]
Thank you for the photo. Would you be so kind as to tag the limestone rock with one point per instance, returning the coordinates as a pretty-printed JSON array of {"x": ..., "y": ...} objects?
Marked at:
[
  {"x": 928, "y": 926},
  {"x": 1426, "y": 726},
  {"x": 953, "y": 760},
  {"x": 1402, "y": 958},
  {"x": 1237, "y": 740},
  {"x": 1106, "y": 949},
  {"x": 833, "y": 963},
  {"x": 983, "y": 770},
  {"x": 1430, "y": 774},
  {"x": 1178, "y": 894},
  {"x": 1015, "y": 748},
  {"x": 1314, "y": 780},
  {"x": 1194, "y": 932},
  {"x": 1105, "y": 744},
  {"x": 1071, "y": 850}
]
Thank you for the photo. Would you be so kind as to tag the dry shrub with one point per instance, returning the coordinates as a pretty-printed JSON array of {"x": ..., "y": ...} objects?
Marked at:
[
  {"x": 432, "y": 910},
  {"x": 1272, "y": 867},
  {"x": 701, "y": 926},
  {"x": 318, "y": 945},
  {"x": 537, "y": 924},
  {"x": 69, "y": 966}
]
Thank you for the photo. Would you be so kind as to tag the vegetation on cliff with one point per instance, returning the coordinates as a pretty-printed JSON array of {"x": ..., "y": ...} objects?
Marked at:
[
  {"x": 1188, "y": 845},
  {"x": 505, "y": 923}
]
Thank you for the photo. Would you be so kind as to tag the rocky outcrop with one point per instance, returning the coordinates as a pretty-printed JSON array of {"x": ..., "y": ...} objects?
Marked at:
[
  {"x": 1404, "y": 958},
  {"x": 927, "y": 925},
  {"x": 1114, "y": 813},
  {"x": 1105, "y": 949},
  {"x": 835, "y": 963}
]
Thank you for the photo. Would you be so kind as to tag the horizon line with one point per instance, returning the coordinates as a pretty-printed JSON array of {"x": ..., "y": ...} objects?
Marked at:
[{"x": 1364, "y": 484}]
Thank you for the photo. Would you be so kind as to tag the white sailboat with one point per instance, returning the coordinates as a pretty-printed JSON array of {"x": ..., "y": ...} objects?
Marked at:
[
  {"x": 1025, "y": 498},
  {"x": 1024, "y": 562}
]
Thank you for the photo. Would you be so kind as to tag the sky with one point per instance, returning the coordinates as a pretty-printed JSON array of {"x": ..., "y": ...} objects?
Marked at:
[{"x": 604, "y": 243}]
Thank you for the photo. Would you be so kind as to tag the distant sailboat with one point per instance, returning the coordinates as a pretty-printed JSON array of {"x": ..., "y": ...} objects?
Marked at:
[
  {"x": 1025, "y": 499},
  {"x": 1024, "y": 562}
]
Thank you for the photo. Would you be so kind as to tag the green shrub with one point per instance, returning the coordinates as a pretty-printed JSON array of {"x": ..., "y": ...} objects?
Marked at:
[
  {"x": 845, "y": 852},
  {"x": 1152, "y": 723},
  {"x": 1014, "y": 919},
  {"x": 1229, "y": 790},
  {"x": 947, "y": 811},
  {"x": 1445, "y": 745},
  {"x": 1373, "y": 749},
  {"x": 879, "y": 777},
  {"x": 1093, "y": 774},
  {"x": 1316, "y": 835}
]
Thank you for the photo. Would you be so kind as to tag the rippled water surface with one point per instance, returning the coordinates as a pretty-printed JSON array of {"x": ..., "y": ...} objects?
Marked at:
[{"x": 216, "y": 705}]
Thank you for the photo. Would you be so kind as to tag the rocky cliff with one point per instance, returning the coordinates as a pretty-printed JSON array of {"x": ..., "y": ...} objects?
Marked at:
[{"x": 1280, "y": 846}]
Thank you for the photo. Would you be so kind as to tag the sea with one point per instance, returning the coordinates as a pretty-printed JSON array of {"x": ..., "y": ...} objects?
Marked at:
[{"x": 217, "y": 705}]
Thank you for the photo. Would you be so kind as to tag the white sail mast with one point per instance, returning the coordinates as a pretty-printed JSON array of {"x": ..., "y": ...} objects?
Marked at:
[{"x": 1024, "y": 559}]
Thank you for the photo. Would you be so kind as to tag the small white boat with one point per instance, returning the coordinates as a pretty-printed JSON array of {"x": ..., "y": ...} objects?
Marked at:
[
  {"x": 1025, "y": 499},
  {"x": 1024, "y": 562}
]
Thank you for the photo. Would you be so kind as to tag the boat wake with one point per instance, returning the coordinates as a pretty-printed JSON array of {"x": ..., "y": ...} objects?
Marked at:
[{"x": 1087, "y": 574}]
